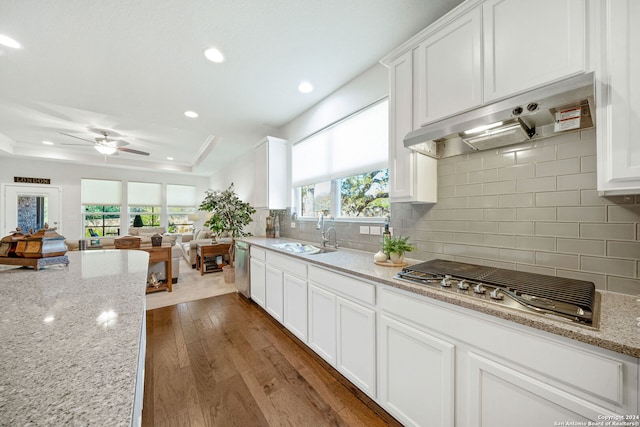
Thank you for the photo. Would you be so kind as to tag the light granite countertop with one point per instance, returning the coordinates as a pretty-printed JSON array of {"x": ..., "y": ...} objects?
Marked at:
[
  {"x": 70, "y": 338},
  {"x": 618, "y": 330}
]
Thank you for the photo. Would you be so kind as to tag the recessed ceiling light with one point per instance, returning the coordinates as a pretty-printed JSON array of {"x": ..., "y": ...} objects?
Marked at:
[
  {"x": 191, "y": 114},
  {"x": 169, "y": 158},
  {"x": 47, "y": 142},
  {"x": 9, "y": 42},
  {"x": 305, "y": 87},
  {"x": 214, "y": 55}
]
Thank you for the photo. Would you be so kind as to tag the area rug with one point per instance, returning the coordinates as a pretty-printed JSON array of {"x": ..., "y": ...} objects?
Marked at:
[{"x": 190, "y": 287}]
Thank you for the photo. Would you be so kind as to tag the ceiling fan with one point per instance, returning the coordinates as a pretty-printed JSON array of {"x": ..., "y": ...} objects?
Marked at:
[{"x": 106, "y": 144}]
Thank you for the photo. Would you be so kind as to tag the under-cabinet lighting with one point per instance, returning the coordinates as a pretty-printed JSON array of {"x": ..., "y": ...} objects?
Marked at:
[{"x": 483, "y": 128}]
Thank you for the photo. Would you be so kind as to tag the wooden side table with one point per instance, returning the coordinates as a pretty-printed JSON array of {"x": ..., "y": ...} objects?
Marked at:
[
  {"x": 160, "y": 254},
  {"x": 204, "y": 251}
]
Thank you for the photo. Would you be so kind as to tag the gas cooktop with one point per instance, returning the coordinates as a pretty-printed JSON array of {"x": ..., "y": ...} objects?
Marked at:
[{"x": 557, "y": 297}]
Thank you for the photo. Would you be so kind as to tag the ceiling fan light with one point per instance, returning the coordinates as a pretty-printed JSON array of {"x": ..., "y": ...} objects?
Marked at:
[
  {"x": 214, "y": 55},
  {"x": 106, "y": 150},
  {"x": 9, "y": 42}
]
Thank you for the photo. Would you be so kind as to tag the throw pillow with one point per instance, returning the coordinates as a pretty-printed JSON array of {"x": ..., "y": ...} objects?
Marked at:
[{"x": 203, "y": 234}]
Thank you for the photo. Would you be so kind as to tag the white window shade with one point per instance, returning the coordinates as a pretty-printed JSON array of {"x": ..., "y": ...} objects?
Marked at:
[
  {"x": 101, "y": 192},
  {"x": 181, "y": 195},
  {"x": 144, "y": 194},
  {"x": 361, "y": 143},
  {"x": 356, "y": 145},
  {"x": 311, "y": 160}
]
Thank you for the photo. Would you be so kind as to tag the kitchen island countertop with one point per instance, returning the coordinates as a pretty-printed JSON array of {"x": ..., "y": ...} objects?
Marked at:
[
  {"x": 618, "y": 330},
  {"x": 71, "y": 339}
]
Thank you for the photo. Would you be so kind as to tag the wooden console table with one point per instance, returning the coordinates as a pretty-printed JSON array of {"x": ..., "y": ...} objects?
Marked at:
[
  {"x": 36, "y": 263},
  {"x": 204, "y": 251},
  {"x": 160, "y": 254}
]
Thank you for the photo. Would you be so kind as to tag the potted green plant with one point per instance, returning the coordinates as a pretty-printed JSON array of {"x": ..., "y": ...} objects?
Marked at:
[
  {"x": 395, "y": 247},
  {"x": 228, "y": 214}
]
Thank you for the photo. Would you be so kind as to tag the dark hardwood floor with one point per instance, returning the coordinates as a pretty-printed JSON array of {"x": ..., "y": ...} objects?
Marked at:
[{"x": 222, "y": 361}]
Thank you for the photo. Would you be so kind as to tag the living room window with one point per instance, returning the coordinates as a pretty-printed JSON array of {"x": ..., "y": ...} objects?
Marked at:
[
  {"x": 182, "y": 211},
  {"x": 342, "y": 170},
  {"x": 145, "y": 201},
  {"x": 101, "y": 207}
]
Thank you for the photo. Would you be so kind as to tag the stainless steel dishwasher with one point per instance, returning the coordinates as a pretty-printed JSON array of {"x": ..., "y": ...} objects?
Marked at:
[{"x": 243, "y": 282}]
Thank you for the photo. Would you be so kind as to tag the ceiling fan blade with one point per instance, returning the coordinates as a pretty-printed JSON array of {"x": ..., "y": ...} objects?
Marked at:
[
  {"x": 131, "y": 150},
  {"x": 77, "y": 137}
]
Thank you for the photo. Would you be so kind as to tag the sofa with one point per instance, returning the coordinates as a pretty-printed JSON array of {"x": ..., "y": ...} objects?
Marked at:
[
  {"x": 145, "y": 240},
  {"x": 190, "y": 242}
]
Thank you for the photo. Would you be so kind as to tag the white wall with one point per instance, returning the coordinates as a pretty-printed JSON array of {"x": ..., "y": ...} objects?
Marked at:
[{"x": 67, "y": 177}]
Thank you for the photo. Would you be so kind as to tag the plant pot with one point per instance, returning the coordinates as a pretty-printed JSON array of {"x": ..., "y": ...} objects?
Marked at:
[
  {"x": 229, "y": 274},
  {"x": 396, "y": 258}
]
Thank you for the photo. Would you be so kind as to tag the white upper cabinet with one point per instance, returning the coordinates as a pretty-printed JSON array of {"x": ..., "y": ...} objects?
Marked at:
[
  {"x": 531, "y": 43},
  {"x": 618, "y": 95},
  {"x": 450, "y": 69},
  {"x": 412, "y": 176},
  {"x": 270, "y": 179}
]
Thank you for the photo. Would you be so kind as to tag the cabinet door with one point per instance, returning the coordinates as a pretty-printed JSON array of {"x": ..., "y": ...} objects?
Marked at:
[
  {"x": 295, "y": 306},
  {"x": 500, "y": 394},
  {"x": 450, "y": 69},
  {"x": 412, "y": 176},
  {"x": 270, "y": 174},
  {"x": 258, "y": 282},
  {"x": 322, "y": 323},
  {"x": 531, "y": 43},
  {"x": 357, "y": 345},
  {"x": 274, "y": 293},
  {"x": 619, "y": 97},
  {"x": 416, "y": 374}
]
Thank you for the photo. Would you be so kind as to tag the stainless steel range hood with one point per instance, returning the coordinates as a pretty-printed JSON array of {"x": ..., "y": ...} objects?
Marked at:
[{"x": 565, "y": 106}]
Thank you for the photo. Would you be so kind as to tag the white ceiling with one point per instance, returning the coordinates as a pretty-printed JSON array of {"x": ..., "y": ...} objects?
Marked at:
[{"x": 135, "y": 66}]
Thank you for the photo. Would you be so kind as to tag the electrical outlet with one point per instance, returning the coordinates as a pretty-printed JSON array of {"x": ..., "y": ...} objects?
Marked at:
[
  {"x": 364, "y": 229},
  {"x": 293, "y": 224},
  {"x": 374, "y": 231}
]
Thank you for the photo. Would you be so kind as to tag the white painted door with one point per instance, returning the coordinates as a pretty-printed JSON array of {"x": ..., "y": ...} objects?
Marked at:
[
  {"x": 322, "y": 323},
  {"x": 499, "y": 394},
  {"x": 357, "y": 345},
  {"x": 258, "y": 272},
  {"x": 295, "y": 306},
  {"x": 274, "y": 298},
  {"x": 450, "y": 69},
  {"x": 31, "y": 206},
  {"x": 531, "y": 43},
  {"x": 619, "y": 99},
  {"x": 416, "y": 375}
]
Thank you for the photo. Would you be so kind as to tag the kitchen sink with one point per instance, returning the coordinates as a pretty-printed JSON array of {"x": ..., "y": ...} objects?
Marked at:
[{"x": 302, "y": 249}]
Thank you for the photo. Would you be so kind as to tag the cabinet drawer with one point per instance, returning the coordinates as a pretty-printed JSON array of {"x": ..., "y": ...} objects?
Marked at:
[
  {"x": 287, "y": 264},
  {"x": 157, "y": 256},
  {"x": 344, "y": 285},
  {"x": 565, "y": 361},
  {"x": 258, "y": 253}
]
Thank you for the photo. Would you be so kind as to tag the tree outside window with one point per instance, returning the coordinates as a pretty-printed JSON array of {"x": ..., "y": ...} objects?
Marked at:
[{"x": 101, "y": 220}]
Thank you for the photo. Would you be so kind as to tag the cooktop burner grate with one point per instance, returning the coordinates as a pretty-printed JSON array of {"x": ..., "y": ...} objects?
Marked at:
[{"x": 576, "y": 292}]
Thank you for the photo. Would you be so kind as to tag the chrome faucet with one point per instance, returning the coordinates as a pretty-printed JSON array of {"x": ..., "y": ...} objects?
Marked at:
[
  {"x": 328, "y": 238},
  {"x": 324, "y": 234}
]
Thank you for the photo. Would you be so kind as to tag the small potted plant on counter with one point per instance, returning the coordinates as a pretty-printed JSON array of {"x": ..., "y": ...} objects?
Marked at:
[{"x": 396, "y": 247}]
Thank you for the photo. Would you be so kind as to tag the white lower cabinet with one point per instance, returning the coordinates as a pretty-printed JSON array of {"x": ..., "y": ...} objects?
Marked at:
[
  {"x": 257, "y": 274},
  {"x": 357, "y": 344},
  {"x": 416, "y": 375},
  {"x": 274, "y": 299},
  {"x": 322, "y": 323},
  {"x": 295, "y": 306}
]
